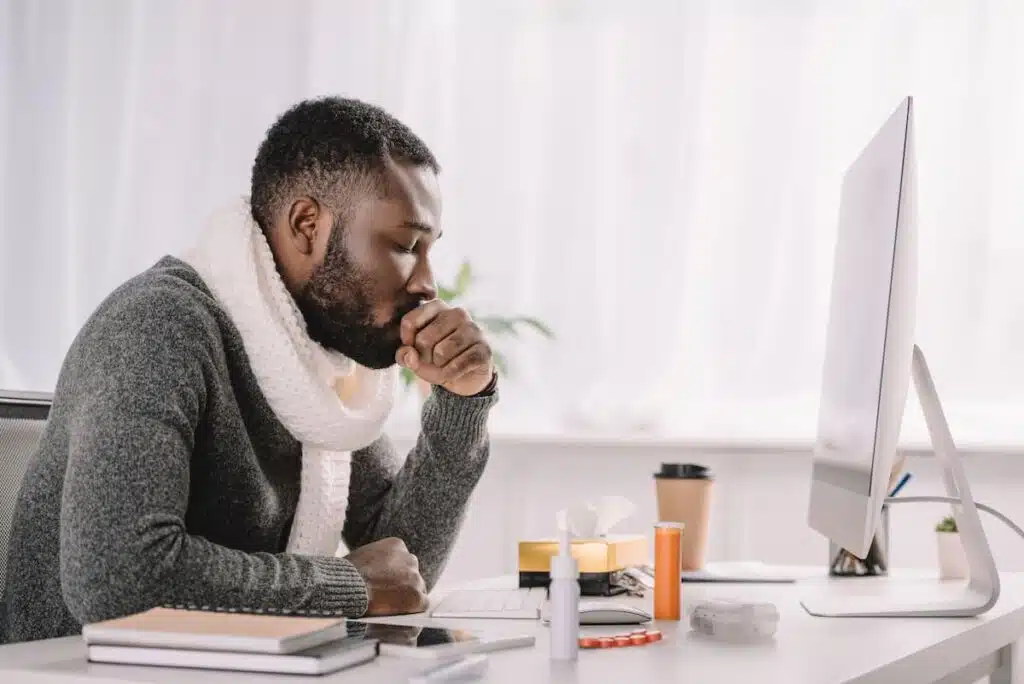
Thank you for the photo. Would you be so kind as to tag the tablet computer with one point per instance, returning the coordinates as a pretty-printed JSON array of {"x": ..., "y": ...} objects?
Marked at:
[{"x": 418, "y": 641}]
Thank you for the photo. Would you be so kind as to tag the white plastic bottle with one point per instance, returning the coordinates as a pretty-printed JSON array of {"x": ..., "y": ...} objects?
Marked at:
[{"x": 564, "y": 602}]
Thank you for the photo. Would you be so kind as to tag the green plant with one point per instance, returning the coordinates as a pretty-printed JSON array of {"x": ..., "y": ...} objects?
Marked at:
[
  {"x": 496, "y": 326},
  {"x": 947, "y": 524}
]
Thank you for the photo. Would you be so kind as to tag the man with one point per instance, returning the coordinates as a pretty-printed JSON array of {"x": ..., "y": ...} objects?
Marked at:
[{"x": 216, "y": 432}]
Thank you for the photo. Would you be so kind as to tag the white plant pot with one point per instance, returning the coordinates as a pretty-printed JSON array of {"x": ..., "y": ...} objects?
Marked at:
[{"x": 952, "y": 559}]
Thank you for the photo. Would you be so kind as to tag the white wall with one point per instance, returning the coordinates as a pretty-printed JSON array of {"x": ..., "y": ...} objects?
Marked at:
[{"x": 759, "y": 508}]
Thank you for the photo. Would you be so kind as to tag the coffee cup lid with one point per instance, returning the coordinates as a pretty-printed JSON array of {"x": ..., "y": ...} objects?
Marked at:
[{"x": 684, "y": 471}]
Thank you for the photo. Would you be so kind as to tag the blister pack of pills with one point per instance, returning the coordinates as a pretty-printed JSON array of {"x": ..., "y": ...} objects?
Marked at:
[{"x": 638, "y": 637}]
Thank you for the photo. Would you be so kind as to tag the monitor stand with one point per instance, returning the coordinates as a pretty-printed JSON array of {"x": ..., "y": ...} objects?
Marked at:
[{"x": 890, "y": 597}]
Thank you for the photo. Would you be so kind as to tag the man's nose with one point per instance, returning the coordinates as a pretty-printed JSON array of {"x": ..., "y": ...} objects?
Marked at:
[{"x": 422, "y": 281}]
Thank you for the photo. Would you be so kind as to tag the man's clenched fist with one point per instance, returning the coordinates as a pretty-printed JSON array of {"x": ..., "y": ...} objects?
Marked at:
[
  {"x": 392, "y": 577},
  {"x": 443, "y": 346}
]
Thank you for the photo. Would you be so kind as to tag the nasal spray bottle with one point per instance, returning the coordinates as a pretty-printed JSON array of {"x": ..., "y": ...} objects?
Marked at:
[{"x": 564, "y": 600}]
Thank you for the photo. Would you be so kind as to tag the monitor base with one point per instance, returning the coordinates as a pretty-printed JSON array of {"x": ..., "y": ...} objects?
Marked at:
[{"x": 897, "y": 598}]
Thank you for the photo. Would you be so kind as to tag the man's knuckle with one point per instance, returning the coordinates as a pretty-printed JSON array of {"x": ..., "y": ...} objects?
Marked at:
[
  {"x": 445, "y": 349},
  {"x": 472, "y": 357},
  {"x": 394, "y": 544}
]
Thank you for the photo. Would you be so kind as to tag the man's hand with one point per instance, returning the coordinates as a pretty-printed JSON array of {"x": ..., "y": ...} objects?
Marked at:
[
  {"x": 392, "y": 577},
  {"x": 443, "y": 346}
]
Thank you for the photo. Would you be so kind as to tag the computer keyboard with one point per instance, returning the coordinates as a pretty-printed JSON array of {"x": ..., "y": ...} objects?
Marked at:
[{"x": 492, "y": 603}]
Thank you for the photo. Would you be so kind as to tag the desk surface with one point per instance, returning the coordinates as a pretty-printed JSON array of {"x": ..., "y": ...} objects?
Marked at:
[{"x": 806, "y": 649}]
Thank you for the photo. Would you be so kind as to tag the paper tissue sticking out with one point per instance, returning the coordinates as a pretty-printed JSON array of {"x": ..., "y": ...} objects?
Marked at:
[
  {"x": 594, "y": 519},
  {"x": 600, "y": 553}
]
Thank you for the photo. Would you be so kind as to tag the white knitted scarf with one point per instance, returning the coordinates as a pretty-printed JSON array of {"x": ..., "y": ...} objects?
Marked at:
[{"x": 329, "y": 403}]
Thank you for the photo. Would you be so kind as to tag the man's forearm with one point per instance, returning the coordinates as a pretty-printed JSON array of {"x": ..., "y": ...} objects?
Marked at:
[
  {"x": 422, "y": 501},
  {"x": 130, "y": 551}
]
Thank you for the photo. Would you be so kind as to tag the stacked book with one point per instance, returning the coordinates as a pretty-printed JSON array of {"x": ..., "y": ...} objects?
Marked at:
[{"x": 230, "y": 641}]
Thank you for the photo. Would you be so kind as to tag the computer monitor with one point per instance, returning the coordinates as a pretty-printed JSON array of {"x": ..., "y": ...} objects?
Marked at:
[
  {"x": 866, "y": 371},
  {"x": 870, "y": 358}
]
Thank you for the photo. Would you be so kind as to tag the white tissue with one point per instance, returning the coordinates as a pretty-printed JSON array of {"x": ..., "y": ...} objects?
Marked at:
[{"x": 595, "y": 519}]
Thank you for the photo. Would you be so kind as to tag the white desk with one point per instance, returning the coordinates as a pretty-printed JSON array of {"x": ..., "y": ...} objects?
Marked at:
[{"x": 806, "y": 650}]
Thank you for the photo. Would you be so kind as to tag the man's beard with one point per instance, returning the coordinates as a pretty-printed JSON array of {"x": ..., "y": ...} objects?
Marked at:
[{"x": 338, "y": 309}]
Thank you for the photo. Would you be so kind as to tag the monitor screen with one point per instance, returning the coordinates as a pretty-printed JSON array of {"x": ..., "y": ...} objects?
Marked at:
[{"x": 851, "y": 391}]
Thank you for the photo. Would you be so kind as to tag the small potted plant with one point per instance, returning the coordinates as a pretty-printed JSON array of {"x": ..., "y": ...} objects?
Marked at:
[
  {"x": 494, "y": 325},
  {"x": 952, "y": 559}
]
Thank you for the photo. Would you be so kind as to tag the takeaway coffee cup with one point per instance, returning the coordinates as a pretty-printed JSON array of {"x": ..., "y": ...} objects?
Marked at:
[{"x": 684, "y": 496}]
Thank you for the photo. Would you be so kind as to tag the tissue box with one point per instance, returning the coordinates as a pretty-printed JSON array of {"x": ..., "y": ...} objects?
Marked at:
[{"x": 599, "y": 559}]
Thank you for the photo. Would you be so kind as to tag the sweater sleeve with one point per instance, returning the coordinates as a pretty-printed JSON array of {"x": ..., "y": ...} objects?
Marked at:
[
  {"x": 423, "y": 500},
  {"x": 139, "y": 395}
]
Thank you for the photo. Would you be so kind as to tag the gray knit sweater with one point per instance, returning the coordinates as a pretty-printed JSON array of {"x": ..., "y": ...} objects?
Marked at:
[{"x": 163, "y": 477}]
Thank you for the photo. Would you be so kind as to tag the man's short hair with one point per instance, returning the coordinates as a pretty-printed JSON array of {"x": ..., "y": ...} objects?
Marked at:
[{"x": 329, "y": 147}]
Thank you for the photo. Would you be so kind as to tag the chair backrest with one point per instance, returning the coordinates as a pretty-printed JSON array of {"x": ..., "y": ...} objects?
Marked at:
[{"x": 22, "y": 419}]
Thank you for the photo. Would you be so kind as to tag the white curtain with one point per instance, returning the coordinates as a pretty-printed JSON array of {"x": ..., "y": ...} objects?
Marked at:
[{"x": 657, "y": 180}]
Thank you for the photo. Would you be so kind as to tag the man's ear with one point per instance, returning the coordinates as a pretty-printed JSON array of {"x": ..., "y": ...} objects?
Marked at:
[
  {"x": 299, "y": 241},
  {"x": 304, "y": 220}
]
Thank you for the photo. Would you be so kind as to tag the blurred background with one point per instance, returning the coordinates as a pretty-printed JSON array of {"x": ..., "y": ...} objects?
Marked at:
[{"x": 656, "y": 181}]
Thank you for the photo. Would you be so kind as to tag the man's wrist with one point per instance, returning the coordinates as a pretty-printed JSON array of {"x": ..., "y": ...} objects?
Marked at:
[
  {"x": 341, "y": 588},
  {"x": 491, "y": 387},
  {"x": 451, "y": 409}
]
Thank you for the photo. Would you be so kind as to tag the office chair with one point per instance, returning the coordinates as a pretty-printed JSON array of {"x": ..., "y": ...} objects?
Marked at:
[{"x": 22, "y": 419}]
